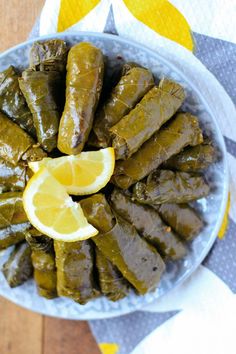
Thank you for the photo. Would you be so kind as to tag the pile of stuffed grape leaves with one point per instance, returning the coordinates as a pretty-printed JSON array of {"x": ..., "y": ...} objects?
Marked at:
[{"x": 146, "y": 215}]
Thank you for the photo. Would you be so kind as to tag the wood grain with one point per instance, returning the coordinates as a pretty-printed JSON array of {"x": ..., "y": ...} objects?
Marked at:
[
  {"x": 22, "y": 331},
  {"x": 17, "y": 18},
  {"x": 72, "y": 337}
]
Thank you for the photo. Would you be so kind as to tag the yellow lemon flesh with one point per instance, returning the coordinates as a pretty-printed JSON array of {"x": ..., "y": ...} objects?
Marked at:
[
  {"x": 52, "y": 211},
  {"x": 81, "y": 174}
]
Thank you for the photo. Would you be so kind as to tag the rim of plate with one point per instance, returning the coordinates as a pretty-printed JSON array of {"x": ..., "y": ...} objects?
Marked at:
[{"x": 225, "y": 190}]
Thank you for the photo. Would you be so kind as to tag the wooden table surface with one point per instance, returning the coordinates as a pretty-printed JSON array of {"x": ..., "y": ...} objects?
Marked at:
[{"x": 22, "y": 331}]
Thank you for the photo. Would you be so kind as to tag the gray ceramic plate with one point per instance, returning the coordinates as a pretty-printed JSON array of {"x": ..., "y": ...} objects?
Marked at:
[{"x": 212, "y": 208}]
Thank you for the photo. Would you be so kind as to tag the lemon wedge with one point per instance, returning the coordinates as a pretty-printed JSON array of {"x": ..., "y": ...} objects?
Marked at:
[
  {"x": 52, "y": 211},
  {"x": 81, "y": 174}
]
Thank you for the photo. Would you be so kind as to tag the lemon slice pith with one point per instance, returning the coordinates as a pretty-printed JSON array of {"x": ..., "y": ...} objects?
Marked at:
[
  {"x": 81, "y": 174},
  {"x": 52, "y": 211}
]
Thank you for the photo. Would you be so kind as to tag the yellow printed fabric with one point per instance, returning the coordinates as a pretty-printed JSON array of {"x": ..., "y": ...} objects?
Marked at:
[
  {"x": 225, "y": 222},
  {"x": 109, "y": 348},
  {"x": 72, "y": 11},
  {"x": 161, "y": 16}
]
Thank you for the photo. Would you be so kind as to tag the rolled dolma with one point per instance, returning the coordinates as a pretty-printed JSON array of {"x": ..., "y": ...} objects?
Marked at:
[
  {"x": 16, "y": 144},
  {"x": 18, "y": 268},
  {"x": 48, "y": 55},
  {"x": 155, "y": 108},
  {"x": 97, "y": 209},
  {"x": 138, "y": 261},
  {"x": 148, "y": 223},
  {"x": 12, "y": 101},
  {"x": 111, "y": 281},
  {"x": 132, "y": 86},
  {"x": 111, "y": 78},
  {"x": 34, "y": 153},
  {"x": 192, "y": 159},
  {"x": 128, "y": 66},
  {"x": 14, "y": 141},
  {"x": 83, "y": 87},
  {"x": 12, "y": 178},
  {"x": 44, "y": 264},
  {"x": 11, "y": 235},
  {"x": 182, "y": 218},
  {"x": 11, "y": 209},
  {"x": 183, "y": 130},
  {"x": 75, "y": 264},
  {"x": 39, "y": 89},
  {"x": 165, "y": 186}
]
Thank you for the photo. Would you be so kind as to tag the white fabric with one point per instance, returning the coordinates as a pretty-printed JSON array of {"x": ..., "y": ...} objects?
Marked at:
[
  {"x": 214, "y": 18},
  {"x": 205, "y": 324}
]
